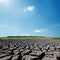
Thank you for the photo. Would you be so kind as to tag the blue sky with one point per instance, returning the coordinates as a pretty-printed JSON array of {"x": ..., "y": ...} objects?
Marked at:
[{"x": 30, "y": 18}]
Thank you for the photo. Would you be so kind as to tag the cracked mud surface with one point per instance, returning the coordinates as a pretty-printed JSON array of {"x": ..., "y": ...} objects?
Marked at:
[{"x": 29, "y": 50}]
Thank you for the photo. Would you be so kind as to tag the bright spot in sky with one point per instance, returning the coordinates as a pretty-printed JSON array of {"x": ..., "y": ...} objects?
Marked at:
[
  {"x": 5, "y": 2},
  {"x": 39, "y": 31},
  {"x": 29, "y": 8}
]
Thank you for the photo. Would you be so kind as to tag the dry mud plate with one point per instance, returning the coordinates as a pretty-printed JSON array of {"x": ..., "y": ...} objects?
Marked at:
[{"x": 30, "y": 49}]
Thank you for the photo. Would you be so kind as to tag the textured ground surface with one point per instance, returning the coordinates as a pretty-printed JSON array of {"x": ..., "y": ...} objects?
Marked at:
[{"x": 30, "y": 49}]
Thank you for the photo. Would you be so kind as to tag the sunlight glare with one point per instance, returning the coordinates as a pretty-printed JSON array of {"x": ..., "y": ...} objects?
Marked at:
[{"x": 5, "y": 2}]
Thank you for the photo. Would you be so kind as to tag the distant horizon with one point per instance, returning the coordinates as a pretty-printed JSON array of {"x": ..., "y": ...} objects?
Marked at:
[
  {"x": 31, "y": 36},
  {"x": 30, "y": 18}
]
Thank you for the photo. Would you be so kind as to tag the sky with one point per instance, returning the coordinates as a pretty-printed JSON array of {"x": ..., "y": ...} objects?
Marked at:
[{"x": 30, "y": 18}]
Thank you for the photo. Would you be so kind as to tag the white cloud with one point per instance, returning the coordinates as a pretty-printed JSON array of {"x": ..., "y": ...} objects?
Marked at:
[
  {"x": 40, "y": 30},
  {"x": 29, "y": 8}
]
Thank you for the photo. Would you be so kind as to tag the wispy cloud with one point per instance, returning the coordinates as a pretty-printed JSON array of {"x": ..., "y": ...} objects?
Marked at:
[
  {"x": 29, "y": 8},
  {"x": 40, "y": 30}
]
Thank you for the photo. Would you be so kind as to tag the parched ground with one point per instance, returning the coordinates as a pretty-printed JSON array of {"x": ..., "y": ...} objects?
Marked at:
[{"x": 44, "y": 49}]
